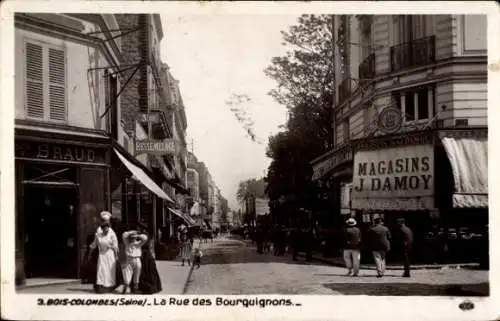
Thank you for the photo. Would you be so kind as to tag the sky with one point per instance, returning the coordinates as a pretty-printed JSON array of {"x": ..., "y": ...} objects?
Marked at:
[{"x": 215, "y": 57}]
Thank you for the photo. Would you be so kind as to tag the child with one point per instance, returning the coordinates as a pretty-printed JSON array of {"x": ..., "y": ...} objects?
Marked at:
[
  {"x": 132, "y": 242},
  {"x": 197, "y": 254}
]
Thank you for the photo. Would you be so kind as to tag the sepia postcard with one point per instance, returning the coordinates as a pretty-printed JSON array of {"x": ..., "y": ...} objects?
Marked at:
[{"x": 249, "y": 160}]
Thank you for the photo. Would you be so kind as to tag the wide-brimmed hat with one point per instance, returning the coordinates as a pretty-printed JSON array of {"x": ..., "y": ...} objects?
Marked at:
[{"x": 351, "y": 222}]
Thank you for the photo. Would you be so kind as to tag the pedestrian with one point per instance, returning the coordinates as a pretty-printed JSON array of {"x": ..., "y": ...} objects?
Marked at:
[
  {"x": 132, "y": 243},
  {"x": 406, "y": 238},
  {"x": 380, "y": 243},
  {"x": 185, "y": 251},
  {"x": 149, "y": 280},
  {"x": 352, "y": 247},
  {"x": 107, "y": 244},
  {"x": 197, "y": 255}
]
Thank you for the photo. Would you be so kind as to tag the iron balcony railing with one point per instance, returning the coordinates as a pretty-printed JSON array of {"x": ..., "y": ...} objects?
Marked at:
[
  {"x": 344, "y": 89},
  {"x": 366, "y": 69},
  {"x": 418, "y": 52}
]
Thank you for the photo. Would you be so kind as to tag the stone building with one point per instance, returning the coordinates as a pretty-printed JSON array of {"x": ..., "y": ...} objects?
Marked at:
[{"x": 410, "y": 120}]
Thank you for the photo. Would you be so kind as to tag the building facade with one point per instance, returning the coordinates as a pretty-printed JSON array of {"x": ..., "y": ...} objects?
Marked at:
[
  {"x": 410, "y": 121},
  {"x": 144, "y": 119},
  {"x": 66, "y": 118}
]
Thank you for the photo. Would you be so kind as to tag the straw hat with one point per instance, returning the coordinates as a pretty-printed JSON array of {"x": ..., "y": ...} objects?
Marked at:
[
  {"x": 105, "y": 215},
  {"x": 351, "y": 222}
]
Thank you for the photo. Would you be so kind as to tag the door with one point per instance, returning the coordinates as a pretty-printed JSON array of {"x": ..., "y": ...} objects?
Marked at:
[{"x": 50, "y": 231}]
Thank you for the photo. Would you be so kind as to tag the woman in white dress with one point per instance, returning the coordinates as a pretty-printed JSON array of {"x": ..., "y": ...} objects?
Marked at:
[{"x": 107, "y": 244}]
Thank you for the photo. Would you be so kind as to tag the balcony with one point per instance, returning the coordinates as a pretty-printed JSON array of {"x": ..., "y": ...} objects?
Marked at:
[
  {"x": 344, "y": 90},
  {"x": 366, "y": 69},
  {"x": 419, "y": 52}
]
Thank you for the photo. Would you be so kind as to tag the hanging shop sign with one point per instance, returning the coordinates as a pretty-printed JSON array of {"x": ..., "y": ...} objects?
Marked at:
[
  {"x": 59, "y": 152},
  {"x": 156, "y": 147},
  {"x": 394, "y": 178}
]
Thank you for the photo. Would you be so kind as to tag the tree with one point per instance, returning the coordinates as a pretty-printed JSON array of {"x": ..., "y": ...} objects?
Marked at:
[
  {"x": 305, "y": 85},
  {"x": 305, "y": 75},
  {"x": 250, "y": 188}
]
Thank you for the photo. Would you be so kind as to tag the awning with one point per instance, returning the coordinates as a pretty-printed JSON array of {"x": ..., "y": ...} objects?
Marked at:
[
  {"x": 469, "y": 163},
  {"x": 141, "y": 176},
  {"x": 188, "y": 219},
  {"x": 330, "y": 160}
]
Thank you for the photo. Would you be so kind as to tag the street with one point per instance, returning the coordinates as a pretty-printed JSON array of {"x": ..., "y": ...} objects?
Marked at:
[{"x": 231, "y": 267}]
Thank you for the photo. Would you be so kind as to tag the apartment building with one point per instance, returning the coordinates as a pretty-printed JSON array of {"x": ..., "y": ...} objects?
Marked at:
[
  {"x": 67, "y": 124},
  {"x": 410, "y": 121}
]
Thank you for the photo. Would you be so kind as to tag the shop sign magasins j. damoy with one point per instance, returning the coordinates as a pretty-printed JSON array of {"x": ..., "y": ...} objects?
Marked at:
[{"x": 396, "y": 178}]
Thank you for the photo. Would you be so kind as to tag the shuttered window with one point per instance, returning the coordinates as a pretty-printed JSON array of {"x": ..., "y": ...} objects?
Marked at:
[
  {"x": 34, "y": 80},
  {"x": 45, "y": 82}
]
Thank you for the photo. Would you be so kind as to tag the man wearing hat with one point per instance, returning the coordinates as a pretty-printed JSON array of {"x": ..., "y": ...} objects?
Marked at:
[
  {"x": 406, "y": 239},
  {"x": 380, "y": 242},
  {"x": 352, "y": 246}
]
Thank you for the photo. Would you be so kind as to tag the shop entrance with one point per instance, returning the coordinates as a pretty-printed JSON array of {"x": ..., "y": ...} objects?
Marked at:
[{"x": 50, "y": 226}]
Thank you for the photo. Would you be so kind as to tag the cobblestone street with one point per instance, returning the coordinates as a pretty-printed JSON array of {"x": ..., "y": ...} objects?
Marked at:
[{"x": 234, "y": 267}]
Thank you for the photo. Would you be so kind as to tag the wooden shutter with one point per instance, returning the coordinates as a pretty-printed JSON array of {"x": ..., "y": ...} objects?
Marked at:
[
  {"x": 34, "y": 80},
  {"x": 57, "y": 84}
]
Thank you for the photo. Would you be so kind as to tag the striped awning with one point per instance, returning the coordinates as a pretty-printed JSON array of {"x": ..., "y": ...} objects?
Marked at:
[
  {"x": 469, "y": 163},
  {"x": 186, "y": 217}
]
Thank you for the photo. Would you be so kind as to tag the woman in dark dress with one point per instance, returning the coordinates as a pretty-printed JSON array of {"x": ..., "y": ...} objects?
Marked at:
[
  {"x": 89, "y": 275},
  {"x": 149, "y": 281}
]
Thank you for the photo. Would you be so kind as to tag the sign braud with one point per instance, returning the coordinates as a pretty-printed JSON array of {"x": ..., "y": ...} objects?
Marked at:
[{"x": 402, "y": 172}]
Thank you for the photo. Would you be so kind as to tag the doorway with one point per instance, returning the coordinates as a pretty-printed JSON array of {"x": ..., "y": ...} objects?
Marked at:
[{"x": 50, "y": 231}]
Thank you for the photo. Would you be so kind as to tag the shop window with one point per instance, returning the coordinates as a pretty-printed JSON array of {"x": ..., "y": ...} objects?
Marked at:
[{"x": 45, "y": 82}]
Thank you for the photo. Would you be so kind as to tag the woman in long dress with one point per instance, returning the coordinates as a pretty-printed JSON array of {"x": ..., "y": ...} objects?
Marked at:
[
  {"x": 186, "y": 249},
  {"x": 107, "y": 244},
  {"x": 149, "y": 280}
]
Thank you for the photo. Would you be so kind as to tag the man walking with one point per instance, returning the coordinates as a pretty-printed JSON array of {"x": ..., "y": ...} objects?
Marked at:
[
  {"x": 352, "y": 244},
  {"x": 406, "y": 237},
  {"x": 380, "y": 241}
]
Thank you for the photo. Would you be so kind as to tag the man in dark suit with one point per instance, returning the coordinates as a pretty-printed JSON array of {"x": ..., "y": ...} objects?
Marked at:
[
  {"x": 380, "y": 242},
  {"x": 406, "y": 237}
]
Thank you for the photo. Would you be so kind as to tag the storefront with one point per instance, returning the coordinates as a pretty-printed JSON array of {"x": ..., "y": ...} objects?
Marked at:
[
  {"x": 436, "y": 180},
  {"x": 62, "y": 184}
]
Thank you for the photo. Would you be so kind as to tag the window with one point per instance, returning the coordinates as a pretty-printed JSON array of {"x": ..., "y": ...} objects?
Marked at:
[
  {"x": 416, "y": 104},
  {"x": 409, "y": 106},
  {"x": 45, "y": 82},
  {"x": 366, "y": 36},
  {"x": 409, "y": 27},
  {"x": 346, "y": 131}
]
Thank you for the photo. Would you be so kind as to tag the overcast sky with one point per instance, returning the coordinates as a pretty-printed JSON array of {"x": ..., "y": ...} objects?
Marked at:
[{"x": 214, "y": 57}]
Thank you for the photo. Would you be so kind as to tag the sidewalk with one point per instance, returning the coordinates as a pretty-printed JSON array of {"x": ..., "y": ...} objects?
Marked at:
[
  {"x": 174, "y": 278},
  {"x": 336, "y": 261},
  {"x": 339, "y": 262}
]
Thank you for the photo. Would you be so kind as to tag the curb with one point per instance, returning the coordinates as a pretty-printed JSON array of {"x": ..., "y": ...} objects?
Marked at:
[
  {"x": 186, "y": 284},
  {"x": 41, "y": 285},
  {"x": 400, "y": 268}
]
